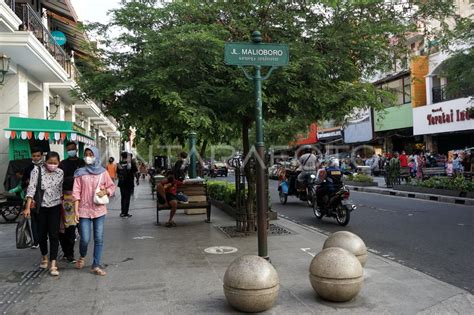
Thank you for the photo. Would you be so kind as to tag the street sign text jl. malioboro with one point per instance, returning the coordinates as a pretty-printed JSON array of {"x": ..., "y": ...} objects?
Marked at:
[{"x": 251, "y": 54}]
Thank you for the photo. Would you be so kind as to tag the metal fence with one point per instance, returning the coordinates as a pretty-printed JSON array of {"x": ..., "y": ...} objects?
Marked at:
[
  {"x": 11, "y": 4},
  {"x": 32, "y": 22},
  {"x": 440, "y": 93}
]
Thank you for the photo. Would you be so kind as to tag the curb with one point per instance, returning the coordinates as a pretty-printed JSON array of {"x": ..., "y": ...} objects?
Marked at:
[{"x": 415, "y": 195}]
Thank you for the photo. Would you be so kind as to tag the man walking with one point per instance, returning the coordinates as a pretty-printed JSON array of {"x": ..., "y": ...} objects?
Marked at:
[
  {"x": 67, "y": 235},
  {"x": 126, "y": 171},
  {"x": 36, "y": 160}
]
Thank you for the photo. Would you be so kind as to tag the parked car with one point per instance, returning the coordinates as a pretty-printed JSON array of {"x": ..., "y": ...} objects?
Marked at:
[{"x": 219, "y": 169}]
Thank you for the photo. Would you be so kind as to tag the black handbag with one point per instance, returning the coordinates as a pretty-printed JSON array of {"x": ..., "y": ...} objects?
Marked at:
[
  {"x": 24, "y": 235},
  {"x": 39, "y": 193}
]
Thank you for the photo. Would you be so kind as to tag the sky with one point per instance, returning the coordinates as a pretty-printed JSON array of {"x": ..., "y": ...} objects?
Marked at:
[{"x": 93, "y": 10}]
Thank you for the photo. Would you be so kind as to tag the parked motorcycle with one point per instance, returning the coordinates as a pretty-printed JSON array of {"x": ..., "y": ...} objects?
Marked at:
[
  {"x": 337, "y": 206},
  {"x": 287, "y": 187}
]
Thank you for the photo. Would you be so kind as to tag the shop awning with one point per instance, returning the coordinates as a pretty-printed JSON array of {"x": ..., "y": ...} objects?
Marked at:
[{"x": 54, "y": 131}]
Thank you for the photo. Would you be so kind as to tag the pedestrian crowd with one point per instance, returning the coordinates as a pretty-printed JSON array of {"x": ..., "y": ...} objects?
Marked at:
[{"x": 70, "y": 196}]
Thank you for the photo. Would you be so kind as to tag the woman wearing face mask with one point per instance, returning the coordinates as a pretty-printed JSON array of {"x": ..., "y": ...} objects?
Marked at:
[
  {"x": 87, "y": 213},
  {"x": 50, "y": 209}
]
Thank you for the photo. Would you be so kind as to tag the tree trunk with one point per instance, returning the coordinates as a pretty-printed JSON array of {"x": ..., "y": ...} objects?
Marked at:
[{"x": 251, "y": 198}]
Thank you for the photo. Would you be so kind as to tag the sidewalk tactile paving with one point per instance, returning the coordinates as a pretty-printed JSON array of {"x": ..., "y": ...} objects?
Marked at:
[{"x": 274, "y": 230}]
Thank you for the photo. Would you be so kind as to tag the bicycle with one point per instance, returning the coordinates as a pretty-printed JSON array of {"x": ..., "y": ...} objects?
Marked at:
[{"x": 10, "y": 206}]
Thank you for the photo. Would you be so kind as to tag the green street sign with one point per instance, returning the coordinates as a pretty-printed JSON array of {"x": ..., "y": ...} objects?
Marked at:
[{"x": 253, "y": 54}]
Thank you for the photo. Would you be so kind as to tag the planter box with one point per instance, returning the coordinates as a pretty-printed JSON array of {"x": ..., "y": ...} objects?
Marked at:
[
  {"x": 361, "y": 184},
  {"x": 433, "y": 191},
  {"x": 272, "y": 215}
]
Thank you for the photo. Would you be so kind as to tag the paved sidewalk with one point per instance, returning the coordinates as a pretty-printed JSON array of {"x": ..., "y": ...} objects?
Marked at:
[{"x": 158, "y": 270}]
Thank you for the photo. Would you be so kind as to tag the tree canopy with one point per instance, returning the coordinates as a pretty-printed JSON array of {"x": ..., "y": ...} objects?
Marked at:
[{"x": 165, "y": 73}]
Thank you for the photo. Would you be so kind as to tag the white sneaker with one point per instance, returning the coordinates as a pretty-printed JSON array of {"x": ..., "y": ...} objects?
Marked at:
[{"x": 34, "y": 246}]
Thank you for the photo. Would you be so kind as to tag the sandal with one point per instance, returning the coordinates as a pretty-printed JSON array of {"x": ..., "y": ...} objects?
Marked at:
[
  {"x": 80, "y": 263},
  {"x": 98, "y": 271},
  {"x": 54, "y": 271},
  {"x": 173, "y": 224},
  {"x": 44, "y": 263},
  {"x": 168, "y": 224}
]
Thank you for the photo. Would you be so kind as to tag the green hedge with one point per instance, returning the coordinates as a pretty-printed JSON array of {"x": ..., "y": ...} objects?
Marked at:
[
  {"x": 222, "y": 191},
  {"x": 361, "y": 178},
  {"x": 443, "y": 182}
]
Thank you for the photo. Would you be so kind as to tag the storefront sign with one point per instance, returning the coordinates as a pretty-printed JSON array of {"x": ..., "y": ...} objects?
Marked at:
[
  {"x": 329, "y": 134},
  {"x": 359, "y": 128},
  {"x": 442, "y": 117}
]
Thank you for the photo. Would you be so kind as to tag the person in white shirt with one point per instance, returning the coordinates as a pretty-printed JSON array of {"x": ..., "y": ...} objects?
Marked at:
[{"x": 308, "y": 164}]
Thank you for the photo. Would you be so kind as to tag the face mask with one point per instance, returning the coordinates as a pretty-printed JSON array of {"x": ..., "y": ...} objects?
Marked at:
[
  {"x": 89, "y": 160},
  {"x": 51, "y": 167},
  {"x": 37, "y": 162},
  {"x": 71, "y": 153}
]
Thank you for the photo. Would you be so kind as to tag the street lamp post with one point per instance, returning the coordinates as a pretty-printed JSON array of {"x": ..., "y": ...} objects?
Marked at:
[{"x": 192, "y": 157}]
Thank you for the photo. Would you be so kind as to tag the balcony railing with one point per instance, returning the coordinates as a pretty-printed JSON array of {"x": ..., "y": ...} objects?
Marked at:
[
  {"x": 440, "y": 94},
  {"x": 32, "y": 22},
  {"x": 11, "y": 4}
]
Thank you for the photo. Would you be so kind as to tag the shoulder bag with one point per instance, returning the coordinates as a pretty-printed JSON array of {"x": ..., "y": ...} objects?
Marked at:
[{"x": 104, "y": 200}]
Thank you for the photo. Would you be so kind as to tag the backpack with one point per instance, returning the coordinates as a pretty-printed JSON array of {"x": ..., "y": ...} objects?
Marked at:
[{"x": 121, "y": 172}]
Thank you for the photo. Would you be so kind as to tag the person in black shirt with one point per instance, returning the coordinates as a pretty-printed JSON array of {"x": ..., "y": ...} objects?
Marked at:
[
  {"x": 36, "y": 160},
  {"x": 67, "y": 235},
  {"x": 126, "y": 171},
  {"x": 180, "y": 168}
]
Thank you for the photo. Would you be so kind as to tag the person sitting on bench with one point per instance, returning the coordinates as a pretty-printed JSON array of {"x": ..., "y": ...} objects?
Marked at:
[{"x": 167, "y": 190}]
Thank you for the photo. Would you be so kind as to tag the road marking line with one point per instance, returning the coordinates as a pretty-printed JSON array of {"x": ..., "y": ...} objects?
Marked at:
[{"x": 306, "y": 250}]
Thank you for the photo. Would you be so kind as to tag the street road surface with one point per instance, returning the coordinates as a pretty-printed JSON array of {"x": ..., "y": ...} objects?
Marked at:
[{"x": 433, "y": 237}]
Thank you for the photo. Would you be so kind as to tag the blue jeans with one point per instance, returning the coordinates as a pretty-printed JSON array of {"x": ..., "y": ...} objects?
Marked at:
[{"x": 85, "y": 229}]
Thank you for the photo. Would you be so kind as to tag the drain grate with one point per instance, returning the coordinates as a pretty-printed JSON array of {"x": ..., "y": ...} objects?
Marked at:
[{"x": 274, "y": 230}]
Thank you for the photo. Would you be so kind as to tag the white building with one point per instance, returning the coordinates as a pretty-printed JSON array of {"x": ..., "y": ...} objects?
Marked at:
[
  {"x": 444, "y": 120},
  {"x": 38, "y": 83}
]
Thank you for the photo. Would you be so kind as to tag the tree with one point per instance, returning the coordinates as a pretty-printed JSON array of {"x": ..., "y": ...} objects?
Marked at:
[{"x": 165, "y": 72}]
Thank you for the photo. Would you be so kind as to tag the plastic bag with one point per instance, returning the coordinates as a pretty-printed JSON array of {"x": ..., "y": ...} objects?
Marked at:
[{"x": 24, "y": 235}]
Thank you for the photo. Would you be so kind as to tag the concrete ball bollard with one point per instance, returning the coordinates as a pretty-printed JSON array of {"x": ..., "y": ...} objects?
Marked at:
[
  {"x": 350, "y": 242},
  {"x": 336, "y": 274},
  {"x": 251, "y": 284}
]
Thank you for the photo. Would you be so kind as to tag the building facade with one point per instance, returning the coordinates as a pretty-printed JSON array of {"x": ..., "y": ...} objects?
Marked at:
[{"x": 42, "y": 41}]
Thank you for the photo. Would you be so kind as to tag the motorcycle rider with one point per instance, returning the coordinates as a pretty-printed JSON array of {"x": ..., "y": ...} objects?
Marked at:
[
  {"x": 307, "y": 166},
  {"x": 330, "y": 180}
]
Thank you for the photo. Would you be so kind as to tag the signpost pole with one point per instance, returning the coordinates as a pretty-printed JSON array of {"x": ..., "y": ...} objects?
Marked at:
[
  {"x": 260, "y": 148},
  {"x": 258, "y": 54}
]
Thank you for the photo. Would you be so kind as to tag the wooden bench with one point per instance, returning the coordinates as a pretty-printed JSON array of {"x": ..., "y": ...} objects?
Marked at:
[
  {"x": 198, "y": 198},
  {"x": 434, "y": 171},
  {"x": 404, "y": 173}
]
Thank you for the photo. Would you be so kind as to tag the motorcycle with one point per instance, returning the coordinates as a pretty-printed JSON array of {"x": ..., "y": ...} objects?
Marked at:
[
  {"x": 285, "y": 189},
  {"x": 338, "y": 206}
]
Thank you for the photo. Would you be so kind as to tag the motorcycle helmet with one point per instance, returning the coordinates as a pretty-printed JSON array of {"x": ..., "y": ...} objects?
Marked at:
[{"x": 333, "y": 163}]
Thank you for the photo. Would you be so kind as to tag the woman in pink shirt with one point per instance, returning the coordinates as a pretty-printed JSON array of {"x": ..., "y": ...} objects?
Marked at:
[{"x": 87, "y": 213}]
